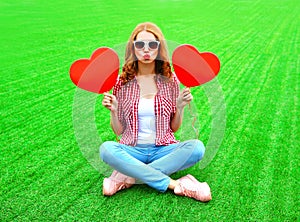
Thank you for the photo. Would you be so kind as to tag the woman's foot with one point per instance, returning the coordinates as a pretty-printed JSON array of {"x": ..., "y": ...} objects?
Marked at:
[
  {"x": 117, "y": 181},
  {"x": 190, "y": 187}
]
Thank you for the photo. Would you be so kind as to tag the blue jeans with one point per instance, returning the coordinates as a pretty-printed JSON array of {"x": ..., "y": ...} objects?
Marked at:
[{"x": 152, "y": 164}]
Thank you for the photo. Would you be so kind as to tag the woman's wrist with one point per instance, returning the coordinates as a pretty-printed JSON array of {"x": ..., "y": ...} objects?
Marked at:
[
  {"x": 114, "y": 113},
  {"x": 179, "y": 110}
]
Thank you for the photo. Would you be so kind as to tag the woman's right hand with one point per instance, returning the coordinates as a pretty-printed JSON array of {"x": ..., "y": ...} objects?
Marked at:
[{"x": 110, "y": 102}]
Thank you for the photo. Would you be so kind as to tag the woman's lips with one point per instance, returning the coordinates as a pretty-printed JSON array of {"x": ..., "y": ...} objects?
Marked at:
[{"x": 147, "y": 56}]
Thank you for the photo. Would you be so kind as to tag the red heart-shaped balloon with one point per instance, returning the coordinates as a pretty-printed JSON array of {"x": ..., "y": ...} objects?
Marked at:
[
  {"x": 192, "y": 67},
  {"x": 97, "y": 74}
]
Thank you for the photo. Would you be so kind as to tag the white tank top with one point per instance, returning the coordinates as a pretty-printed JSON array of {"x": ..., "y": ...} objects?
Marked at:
[{"x": 146, "y": 122}]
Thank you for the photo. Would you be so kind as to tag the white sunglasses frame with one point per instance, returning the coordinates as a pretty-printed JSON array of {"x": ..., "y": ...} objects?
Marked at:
[{"x": 146, "y": 43}]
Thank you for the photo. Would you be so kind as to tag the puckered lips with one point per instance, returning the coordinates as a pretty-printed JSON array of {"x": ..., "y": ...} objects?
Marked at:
[{"x": 146, "y": 56}]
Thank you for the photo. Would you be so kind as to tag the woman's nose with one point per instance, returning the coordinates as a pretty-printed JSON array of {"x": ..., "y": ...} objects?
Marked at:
[{"x": 146, "y": 48}]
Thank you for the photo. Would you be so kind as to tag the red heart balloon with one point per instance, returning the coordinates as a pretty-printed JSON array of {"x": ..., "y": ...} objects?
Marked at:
[
  {"x": 194, "y": 68},
  {"x": 97, "y": 74}
]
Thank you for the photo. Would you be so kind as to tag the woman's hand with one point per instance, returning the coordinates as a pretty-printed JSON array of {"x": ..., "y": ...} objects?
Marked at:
[
  {"x": 110, "y": 102},
  {"x": 184, "y": 98}
]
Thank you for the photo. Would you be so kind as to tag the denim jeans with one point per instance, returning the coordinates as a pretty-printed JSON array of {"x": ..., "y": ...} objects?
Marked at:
[{"x": 152, "y": 164}]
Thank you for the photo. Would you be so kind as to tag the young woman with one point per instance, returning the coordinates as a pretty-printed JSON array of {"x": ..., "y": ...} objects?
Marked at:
[{"x": 146, "y": 109}]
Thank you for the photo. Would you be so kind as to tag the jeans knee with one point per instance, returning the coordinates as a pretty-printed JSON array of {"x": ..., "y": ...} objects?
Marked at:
[
  {"x": 199, "y": 149},
  {"x": 104, "y": 149}
]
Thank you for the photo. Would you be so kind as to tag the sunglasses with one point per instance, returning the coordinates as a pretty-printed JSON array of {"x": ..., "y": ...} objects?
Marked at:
[{"x": 153, "y": 44}]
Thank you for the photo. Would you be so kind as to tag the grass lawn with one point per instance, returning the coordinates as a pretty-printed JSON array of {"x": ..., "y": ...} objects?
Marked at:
[{"x": 254, "y": 175}]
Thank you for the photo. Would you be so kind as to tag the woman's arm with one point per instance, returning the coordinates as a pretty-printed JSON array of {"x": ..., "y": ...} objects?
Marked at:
[
  {"x": 115, "y": 123},
  {"x": 111, "y": 103},
  {"x": 184, "y": 98}
]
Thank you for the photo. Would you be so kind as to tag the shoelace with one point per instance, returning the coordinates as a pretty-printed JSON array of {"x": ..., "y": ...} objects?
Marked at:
[
  {"x": 188, "y": 191},
  {"x": 191, "y": 191},
  {"x": 119, "y": 185}
]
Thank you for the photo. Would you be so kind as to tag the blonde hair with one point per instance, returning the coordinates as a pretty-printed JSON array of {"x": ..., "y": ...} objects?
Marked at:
[{"x": 162, "y": 62}]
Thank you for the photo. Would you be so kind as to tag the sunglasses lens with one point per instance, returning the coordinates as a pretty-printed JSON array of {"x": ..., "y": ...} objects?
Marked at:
[
  {"x": 153, "y": 45},
  {"x": 139, "y": 45}
]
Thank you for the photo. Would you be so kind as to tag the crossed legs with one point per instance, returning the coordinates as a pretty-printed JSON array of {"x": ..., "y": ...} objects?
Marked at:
[{"x": 152, "y": 165}]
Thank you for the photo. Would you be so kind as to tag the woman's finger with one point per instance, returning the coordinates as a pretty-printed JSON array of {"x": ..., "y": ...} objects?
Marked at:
[
  {"x": 188, "y": 97},
  {"x": 187, "y": 94},
  {"x": 108, "y": 96},
  {"x": 186, "y": 90}
]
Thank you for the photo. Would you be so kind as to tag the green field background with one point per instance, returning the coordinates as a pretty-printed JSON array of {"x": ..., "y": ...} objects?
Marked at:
[{"x": 255, "y": 173}]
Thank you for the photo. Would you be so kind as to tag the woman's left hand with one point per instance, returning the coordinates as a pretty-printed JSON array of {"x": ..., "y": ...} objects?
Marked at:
[{"x": 184, "y": 98}]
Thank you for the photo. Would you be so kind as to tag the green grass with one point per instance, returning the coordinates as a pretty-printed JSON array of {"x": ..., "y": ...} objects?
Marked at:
[{"x": 255, "y": 173}]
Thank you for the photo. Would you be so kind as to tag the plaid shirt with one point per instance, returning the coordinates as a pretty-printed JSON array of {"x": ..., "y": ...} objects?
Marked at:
[{"x": 164, "y": 108}]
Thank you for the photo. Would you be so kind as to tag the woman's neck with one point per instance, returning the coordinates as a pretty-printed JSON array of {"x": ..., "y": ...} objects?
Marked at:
[{"x": 145, "y": 69}]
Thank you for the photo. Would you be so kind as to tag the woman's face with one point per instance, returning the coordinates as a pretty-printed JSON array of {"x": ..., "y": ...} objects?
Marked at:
[{"x": 146, "y": 47}]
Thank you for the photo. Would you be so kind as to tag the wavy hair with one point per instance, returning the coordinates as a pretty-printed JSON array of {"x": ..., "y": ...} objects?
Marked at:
[{"x": 162, "y": 62}]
